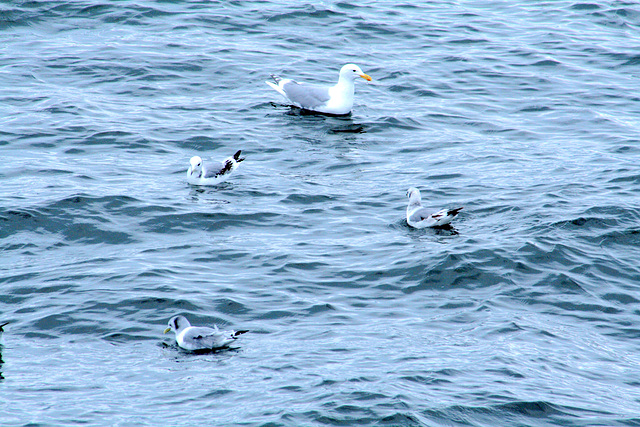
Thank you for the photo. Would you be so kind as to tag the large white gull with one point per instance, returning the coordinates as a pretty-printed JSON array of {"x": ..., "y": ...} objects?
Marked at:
[
  {"x": 214, "y": 173},
  {"x": 336, "y": 99},
  {"x": 419, "y": 217},
  {"x": 198, "y": 338}
]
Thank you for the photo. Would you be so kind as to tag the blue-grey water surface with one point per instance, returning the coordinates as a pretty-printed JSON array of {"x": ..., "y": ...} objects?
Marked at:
[{"x": 524, "y": 112}]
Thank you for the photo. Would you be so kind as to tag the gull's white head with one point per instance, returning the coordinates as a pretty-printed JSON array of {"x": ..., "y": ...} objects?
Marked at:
[
  {"x": 352, "y": 71},
  {"x": 414, "y": 195},
  {"x": 196, "y": 165},
  {"x": 177, "y": 324}
]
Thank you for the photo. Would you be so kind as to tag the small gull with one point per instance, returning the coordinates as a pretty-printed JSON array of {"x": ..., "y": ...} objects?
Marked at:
[
  {"x": 336, "y": 99},
  {"x": 194, "y": 338},
  {"x": 419, "y": 217},
  {"x": 214, "y": 173}
]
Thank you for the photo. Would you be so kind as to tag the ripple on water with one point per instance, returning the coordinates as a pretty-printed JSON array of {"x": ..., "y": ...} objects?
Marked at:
[{"x": 525, "y": 313}]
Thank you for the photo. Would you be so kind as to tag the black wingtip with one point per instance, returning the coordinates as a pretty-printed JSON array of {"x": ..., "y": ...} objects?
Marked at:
[
  {"x": 454, "y": 212},
  {"x": 228, "y": 165},
  {"x": 236, "y": 333},
  {"x": 237, "y": 156},
  {"x": 275, "y": 78},
  {"x": 3, "y": 325}
]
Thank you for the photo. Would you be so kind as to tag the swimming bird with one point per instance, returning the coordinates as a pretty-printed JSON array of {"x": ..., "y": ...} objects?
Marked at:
[
  {"x": 213, "y": 174},
  {"x": 336, "y": 99},
  {"x": 194, "y": 338},
  {"x": 419, "y": 217}
]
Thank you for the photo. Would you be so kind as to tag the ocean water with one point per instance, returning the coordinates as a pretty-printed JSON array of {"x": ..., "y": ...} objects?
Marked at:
[{"x": 526, "y": 313}]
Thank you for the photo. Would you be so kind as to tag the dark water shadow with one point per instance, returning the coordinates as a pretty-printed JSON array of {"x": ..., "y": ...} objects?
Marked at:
[
  {"x": 339, "y": 123},
  {"x": 188, "y": 353},
  {"x": 443, "y": 230},
  {"x": 199, "y": 192},
  {"x": 297, "y": 111},
  {"x": 352, "y": 128}
]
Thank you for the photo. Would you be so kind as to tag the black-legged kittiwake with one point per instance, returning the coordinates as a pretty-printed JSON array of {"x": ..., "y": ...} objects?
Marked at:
[
  {"x": 214, "y": 173},
  {"x": 419, "y": 217},
  {"x": 194, "y": 338}
]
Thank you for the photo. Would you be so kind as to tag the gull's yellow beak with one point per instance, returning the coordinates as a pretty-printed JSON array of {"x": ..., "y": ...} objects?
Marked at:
[
  {"x": 367, "y": 77},
  {"x": 166, "y": 330}
]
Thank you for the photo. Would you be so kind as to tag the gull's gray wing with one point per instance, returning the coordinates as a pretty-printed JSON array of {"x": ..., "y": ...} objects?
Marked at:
[
  {"x": 307, "y": 96},
  {"x": 421, "y": 214},
  {"x": 204, "y": 337},
  {"x": 215, "y": 169}
]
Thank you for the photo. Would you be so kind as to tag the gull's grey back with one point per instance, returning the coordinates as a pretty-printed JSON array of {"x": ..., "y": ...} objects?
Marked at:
[
  {"x": 307, "y": 96},
  {"x": 213, "y": 169},
  {"x": 207, "y": 337},
  {"x": 420, "y": 214}
]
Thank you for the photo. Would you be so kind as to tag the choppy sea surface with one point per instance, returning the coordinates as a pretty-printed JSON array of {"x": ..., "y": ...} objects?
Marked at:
[{"x": 526, "y": 313}]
